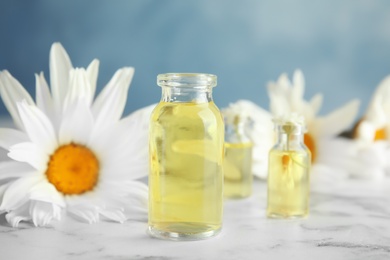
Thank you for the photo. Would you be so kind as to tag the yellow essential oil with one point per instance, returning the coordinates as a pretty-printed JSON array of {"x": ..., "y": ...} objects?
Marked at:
[
  {"x": 238, "y": 170},
  {"x": 186, "y": 179},
  {"x": 288, "y": 184},
  {"x": 289, "y": 171}
]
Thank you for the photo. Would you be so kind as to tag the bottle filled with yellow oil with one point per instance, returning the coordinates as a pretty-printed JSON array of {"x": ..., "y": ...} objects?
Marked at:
[
  {"x": 238, "y": 154},
  {"x": 186, "y": 146},
  {"x": 289, "y": 171}
]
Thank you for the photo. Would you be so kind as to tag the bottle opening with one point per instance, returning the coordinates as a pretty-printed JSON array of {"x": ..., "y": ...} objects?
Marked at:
[
  {"x": 290, "y": 124},
  {"x": 290, "y": 129},
  {"x": 183, "y": 80}
]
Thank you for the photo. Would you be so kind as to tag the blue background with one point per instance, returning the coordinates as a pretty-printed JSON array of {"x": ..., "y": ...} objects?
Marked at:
[{"x": 342, "y": 47}]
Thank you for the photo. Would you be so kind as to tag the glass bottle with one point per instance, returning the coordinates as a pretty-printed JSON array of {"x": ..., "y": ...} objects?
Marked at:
[
  {"x": 186, "y": 146},
  {"x": 289, "y": 172},
  {"x": 238, "y": 156}
]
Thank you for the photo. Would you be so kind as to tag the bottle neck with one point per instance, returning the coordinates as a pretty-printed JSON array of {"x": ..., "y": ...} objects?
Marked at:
[
  {"x": 289, "y": 141},
  {"x": 186, "y": 94},
  {"x": 236, "y": 133}
]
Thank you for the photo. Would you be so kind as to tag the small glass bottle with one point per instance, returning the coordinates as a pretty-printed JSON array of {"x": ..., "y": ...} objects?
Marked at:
[
  {"x": 289, "y": 171},
  {"x": 238, "y": 156},
  {"x": 186, "y": 146}
]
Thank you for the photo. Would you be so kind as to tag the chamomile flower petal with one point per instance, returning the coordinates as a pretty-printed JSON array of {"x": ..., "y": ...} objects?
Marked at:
[
  {"x": 43, "y": 98},
  {"x": 12, "y": 169},
  {"x": 84, "y": 212},
  {"x": 368, "y": 162},
  {"x": 127, "y": 188},
  {"x": 366, "y": 132},
  {"x": 37, "y": 126},
  {"x": 59, "y": 65},
  {"x": 79, "y": 87},
  {"x": 29, "y": 153},
  {"x": 299, "y": 83},
  {"x": 9, "y": 137},
  {"x": 130, "y": 153},
  {"x": 382, "y": 93},
  {"x": 42, "y": 212},
  {"x": 137, "y": 168},
  {"x": 109, "y": 105},
  {"x": 113, "y": 214},
  {"x": 283, "y": 84},
  {"x": 13, "y": 198},
  {"x": 3, "y": 188},
  {"x": 316, "y": 103},
  {"x": 297, "y": 91},
  {"x": 12, "y": 92},
  {"x": 377, "y": 115},
  {"x": 134, "y": 192},
  {"x": 22, "y": 213},
  {"x": 46, "y": 192},
  {"x": 92, "y": 73},
  {"x": 125, "y": 164},
  {"x": 77, "y": 123},
  {"x": 337, "y": 121},
  {"x": 278, "y": 104},
  {"x": 362, "y": 162}
]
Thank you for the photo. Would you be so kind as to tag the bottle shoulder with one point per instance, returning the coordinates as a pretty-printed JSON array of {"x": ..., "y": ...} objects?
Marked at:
[
  {"x": 237, "y": 137},
  {"x": 300, "y": 147},
  {"x": 205, "y": 111}
]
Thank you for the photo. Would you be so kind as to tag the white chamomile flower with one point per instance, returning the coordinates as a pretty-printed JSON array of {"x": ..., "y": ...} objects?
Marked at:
[
  {"x": 72, "y": 153},
  {"x": 287, "y": 97},
  {"x": 369, "y": 159},
  {"x": 375, "y": 124}
]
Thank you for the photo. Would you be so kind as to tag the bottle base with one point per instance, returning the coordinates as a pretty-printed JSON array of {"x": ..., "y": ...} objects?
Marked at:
[
  {"x": 286, "y": 216},
  {"x": 183, "y": 232},
  {"x": 237, "y": 196}
]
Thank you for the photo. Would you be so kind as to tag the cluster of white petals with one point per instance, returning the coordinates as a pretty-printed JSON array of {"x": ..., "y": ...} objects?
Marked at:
[
  {"x": 370, "y": 148},
  {"x": 68, "y": 113},
  {"x": 292, "y": 118},
  {"x": 287, "y": 98},
  {"x": 377, "y": 116}
]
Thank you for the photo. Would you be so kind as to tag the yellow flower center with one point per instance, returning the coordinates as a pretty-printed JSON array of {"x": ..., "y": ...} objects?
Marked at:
[
  {"x": 73, "y": 169},
  {"x": 380, "y": 134},
  {"x": 309, "y": 142}
]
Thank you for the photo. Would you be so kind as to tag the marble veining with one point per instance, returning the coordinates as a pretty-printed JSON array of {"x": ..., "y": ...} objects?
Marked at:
[
  {"x": 352, "y": 245},
  {"x": 348, "y": 220}
]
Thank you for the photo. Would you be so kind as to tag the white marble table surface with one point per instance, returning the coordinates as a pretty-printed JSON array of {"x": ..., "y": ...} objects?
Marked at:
[{"x": 349, "y": 219}]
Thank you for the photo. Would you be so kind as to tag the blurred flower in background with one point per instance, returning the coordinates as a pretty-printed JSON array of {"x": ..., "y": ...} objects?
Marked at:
[
  {"x": 370, "y": 155},
  {"x": 72, "y": 153},
  {"x": 375, "y": 124},
  {"x": 286, "y": 97}
]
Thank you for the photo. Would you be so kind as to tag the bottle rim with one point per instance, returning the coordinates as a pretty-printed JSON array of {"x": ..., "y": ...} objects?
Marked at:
[
  {"x": 290, "y": 128},
  {"x": 184, "y": 80}
]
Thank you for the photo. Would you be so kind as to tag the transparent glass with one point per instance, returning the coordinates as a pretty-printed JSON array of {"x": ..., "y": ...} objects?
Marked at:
[
  {"x": 186, "y": 145},
  {"x": 289, "y": 176},
  {"x": 238, "y": 159}
]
